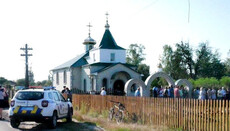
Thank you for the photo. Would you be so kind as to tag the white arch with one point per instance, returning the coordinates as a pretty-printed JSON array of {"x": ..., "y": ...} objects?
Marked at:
[
  {"x": 187, "y": 83},
  {"x": 129, "y": 83},
  {"x": 150, "y": 79}
]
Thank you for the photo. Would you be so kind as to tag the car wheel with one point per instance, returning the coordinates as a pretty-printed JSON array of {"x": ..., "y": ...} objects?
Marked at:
[
  {"x": 70, "y": 114},
  {"x": 53, "y": 122},
  {"x": 14, "y": 123}
]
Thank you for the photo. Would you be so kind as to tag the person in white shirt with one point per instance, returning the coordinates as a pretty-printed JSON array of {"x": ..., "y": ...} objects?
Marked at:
[
  {"x": 202, "y": 94},
  {"x": 219, "y": 94},
  {"x": 103, "y": 92}
]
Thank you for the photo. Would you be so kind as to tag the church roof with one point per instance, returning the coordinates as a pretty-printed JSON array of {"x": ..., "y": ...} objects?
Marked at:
[
  {"x": 75, "y": 62},
  {"x": 109, "y": 65},
  {"x": 108, "y": 41}
]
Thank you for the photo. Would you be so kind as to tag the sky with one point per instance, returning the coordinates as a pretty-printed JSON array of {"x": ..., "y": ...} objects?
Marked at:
[{"x": 56, "y": 29}]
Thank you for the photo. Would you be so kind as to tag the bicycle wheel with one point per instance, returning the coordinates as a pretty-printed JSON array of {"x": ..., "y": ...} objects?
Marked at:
[
  {"x": 111, "y": 114},
  {"x": 119, "y": 117}
]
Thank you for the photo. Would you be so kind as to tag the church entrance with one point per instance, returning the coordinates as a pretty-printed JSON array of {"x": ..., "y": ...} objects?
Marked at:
[{"x": 118, "y": 88}]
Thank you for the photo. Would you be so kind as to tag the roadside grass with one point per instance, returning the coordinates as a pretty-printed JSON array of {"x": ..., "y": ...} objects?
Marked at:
[{"x": 90, "y": 116}]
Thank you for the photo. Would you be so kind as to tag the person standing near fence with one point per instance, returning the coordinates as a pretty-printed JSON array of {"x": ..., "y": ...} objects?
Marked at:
[
  {"x": 103, "y": 92},
  {"x": 138, "y": 92},
  {"x": 223, "y": 92},
  {"x": 213, "y": 93},
  {"x": 219, "y": 94},
  {"x": 202, "y": 94},
  {"x": 176, "y": 92},
  {"x": 1, "y": 101},
  {"x": 209, "y": 93}
]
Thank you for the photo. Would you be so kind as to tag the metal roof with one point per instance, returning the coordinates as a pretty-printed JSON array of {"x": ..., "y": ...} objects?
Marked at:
[
  {"x": 108, "y": 42},
  {"x": 75, "y": 62}
]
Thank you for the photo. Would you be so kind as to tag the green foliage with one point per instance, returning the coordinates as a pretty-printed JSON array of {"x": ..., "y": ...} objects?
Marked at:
[
  {"x": 174, "y": 62},
  {"x": 135, "y": 54},
  {"x": 2, "y": 80},
  {"x": 180, "y": 63},
  {"x": 208, "y": 64},
  {"x": 207, "y": 82},
  {"x": 144, "y": 70},
  {"x": 20, "y": 82},
  {"x": 225, "y": 81},
  {"x": 158, "y": 82}
]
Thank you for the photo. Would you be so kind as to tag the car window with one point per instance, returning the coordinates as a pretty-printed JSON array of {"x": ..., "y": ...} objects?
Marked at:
[
  {"x": 50, "y": 95},
  {"x": 55, "y": 95},
  {"x": 28, "y": 95},
  {"x": 61, "y": 96}
]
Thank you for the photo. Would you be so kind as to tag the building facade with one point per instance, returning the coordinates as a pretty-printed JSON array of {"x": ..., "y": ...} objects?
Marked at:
[{"x": 102, "y": 66}]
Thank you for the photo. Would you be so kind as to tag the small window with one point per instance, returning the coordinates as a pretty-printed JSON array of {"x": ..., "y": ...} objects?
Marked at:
[
  {"x": 64, "y": 77},
  {"x": 57, "y": 78},
  {"x": 112, "y": 57}
]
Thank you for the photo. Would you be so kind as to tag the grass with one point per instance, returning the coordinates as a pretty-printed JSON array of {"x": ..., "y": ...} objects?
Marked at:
[{"x": 92, "y": 117}]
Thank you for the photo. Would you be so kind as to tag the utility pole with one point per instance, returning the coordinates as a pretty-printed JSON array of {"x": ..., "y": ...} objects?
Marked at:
[{"x": 26, "y": 55}]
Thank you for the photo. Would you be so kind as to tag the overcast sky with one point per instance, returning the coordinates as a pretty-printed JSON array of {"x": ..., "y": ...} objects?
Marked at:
[{"x": 56, "y": 29}]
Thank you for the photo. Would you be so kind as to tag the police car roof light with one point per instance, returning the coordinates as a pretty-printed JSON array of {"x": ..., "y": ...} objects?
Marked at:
[{"x": 49, "y": 88}]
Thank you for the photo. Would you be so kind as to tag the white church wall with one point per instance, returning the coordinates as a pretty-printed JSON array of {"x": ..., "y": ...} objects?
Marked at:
[
  {"x": 120, "y": 56},
  {"x": 76, "y": 78},
  {"x": 94, "y": 56},
  {"x": 60, "y": 84},
  {"x": 104, "y": 56},
  {"x": 85, "y": 75}
]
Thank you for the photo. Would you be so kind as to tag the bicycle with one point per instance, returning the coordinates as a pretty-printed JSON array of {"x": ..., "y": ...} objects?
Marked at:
[{"x": 117, "y": 112}]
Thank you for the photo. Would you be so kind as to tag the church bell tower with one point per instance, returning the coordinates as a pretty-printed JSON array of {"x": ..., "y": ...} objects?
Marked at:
[{"x": 89, "y": 42}]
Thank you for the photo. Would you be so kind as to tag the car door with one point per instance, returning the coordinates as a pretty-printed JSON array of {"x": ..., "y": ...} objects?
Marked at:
[
  {"x": 58, "y": 103},
  {"x": 63, "y": 103}
]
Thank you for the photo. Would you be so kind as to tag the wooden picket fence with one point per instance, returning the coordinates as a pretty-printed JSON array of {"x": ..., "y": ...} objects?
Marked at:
[{"x": 186, "y": 114}]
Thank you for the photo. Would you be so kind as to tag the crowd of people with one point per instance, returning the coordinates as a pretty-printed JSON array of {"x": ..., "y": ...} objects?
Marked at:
[
  {"x": 181, "y": 92},
  {"x": 211, "y": 93}
]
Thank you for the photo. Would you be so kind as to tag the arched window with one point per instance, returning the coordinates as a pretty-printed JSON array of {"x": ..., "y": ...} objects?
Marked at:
[
  {"x": 104, "y": 83},
  {"x": 84, "y": 84}
]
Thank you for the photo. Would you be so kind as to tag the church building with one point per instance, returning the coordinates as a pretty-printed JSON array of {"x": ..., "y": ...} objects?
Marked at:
[{"x": 102, "y": 66}]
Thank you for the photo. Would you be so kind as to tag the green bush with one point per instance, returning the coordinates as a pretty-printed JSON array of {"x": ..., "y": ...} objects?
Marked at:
[{"x": 225, "y": 81}]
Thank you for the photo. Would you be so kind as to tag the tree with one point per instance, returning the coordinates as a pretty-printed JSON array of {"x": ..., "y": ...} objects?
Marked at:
[
  {"x": 186, "y": 54},
  {"x": 173, "y": 63},
  {"x": 227, "y": 64},
  {"x": 144, "y": 70},
  {"x": 135, "y": 54},
  {"x": 208, "y": 64},
  {"x": 20, "y": 82},
  {"x": 225, "y": 81},
  {"x": 2, "y": 80}
]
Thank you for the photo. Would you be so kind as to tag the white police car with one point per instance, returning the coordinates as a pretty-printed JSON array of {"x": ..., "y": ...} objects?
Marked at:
[{"x": 39, "y": 105}]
